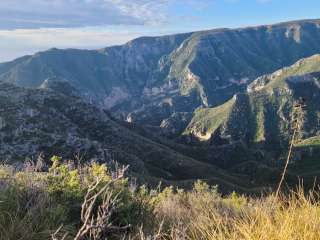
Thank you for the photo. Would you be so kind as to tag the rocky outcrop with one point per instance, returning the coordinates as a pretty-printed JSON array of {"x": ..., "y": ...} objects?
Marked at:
[
  {"x": 170, "y": 74},
  {"x": 34, "y": 121},
  {"x": 263, "y": 115}
]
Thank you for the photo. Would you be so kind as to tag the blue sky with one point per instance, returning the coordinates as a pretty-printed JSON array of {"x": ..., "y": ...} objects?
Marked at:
[{"x": 28, "y": 26}]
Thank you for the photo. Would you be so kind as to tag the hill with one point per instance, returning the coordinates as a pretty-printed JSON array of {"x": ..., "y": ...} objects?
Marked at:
[
  {"x": 192, "y": 104},
  {"x": 44, "y": 120},
  {"x": 269, "y": 100},
  {"x": 261, "y": 119},
  {"x": 170, "y": 74}
]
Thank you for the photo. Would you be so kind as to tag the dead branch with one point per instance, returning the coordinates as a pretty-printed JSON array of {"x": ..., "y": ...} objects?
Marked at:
[
  {"x": 298, "y": 117},
  {"x": 96, "y": 220}
]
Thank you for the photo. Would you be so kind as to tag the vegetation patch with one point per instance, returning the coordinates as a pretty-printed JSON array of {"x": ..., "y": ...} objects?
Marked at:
[{"x": 54, "y": 205}]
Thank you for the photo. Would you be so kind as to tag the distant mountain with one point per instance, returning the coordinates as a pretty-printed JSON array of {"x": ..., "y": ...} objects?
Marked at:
[
  {"x": 214, "y": 105},
  {"x": 151, "y": 79},
  {"x": 44, "y": 120},
  {"x": 262, "y": 117}
]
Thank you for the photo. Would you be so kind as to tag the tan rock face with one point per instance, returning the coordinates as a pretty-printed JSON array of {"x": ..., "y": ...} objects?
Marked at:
[
  {"x": 202, "y": 136},
  {"x": 197, "y": 69},
  {"x": 294, "y": 32},
  {"x": 191, "y": 76}
]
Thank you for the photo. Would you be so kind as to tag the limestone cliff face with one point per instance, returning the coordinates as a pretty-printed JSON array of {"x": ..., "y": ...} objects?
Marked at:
[
  {"x": 227, "y": 92},
  {"x": 34, "y": 121},
  {"x": 263, "y": 115},
  {"x": 150, "y": 78}
]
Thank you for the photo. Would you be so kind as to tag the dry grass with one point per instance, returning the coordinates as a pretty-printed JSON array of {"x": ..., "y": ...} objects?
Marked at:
[
  {"x": 208, "y": 216},
  {"x": 26, "y": 213}
]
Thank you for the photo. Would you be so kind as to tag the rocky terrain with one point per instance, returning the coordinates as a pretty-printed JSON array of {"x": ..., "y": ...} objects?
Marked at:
[
  {"x": 170, "y": 74},
  {"x": 35, "y": 121},
  {"x": 214, "y": 105},
  {"x": 261, "y": 119},
  {"x": 272, "y": 96}
]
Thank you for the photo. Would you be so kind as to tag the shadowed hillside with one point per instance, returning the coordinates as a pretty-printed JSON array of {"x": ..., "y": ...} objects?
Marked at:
[
  {"x": 42, "y": 120},
  {"x": 170, "y": 74},
  {"x": 262, "y": 121}
]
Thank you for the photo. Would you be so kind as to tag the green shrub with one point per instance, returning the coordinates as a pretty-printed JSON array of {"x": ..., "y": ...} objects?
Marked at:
[{"x": 33, "y": 205}]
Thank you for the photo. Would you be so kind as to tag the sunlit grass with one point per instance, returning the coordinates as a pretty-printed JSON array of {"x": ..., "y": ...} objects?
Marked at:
[{"x": 28, "y": 211}]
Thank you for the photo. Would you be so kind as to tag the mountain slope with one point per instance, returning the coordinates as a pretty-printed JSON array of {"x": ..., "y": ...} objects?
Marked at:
[
  {"x": 44, "y": 120},
  {"x": 261, "y": 122},
  {"x": 263, "y": 115},
  {"x": 170, "y": 74}
]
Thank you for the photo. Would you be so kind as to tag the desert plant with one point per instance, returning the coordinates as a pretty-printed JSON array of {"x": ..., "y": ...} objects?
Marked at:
[{"x": 297, "y": 121}]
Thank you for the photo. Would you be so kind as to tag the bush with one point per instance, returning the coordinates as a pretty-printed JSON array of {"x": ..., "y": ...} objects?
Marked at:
[
  {"x": 28, "y": 212},
  {"x": 33, "y": 205}
]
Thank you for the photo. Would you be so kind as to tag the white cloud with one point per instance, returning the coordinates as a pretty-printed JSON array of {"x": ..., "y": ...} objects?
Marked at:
[
  {"x": 18, "y": 42},
  {"x": 27, "y": 26},
  {"x": 15, "y": 43},
  {"x": 61, "y": 37},
  {"x": 16, "y": 14},
  {"x": 149, "y": 11}
]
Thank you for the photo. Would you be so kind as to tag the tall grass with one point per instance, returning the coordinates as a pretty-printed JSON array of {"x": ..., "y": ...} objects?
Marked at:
[
  {"x": 206, "y": 215},
  {"x": 28, "y": 211}
]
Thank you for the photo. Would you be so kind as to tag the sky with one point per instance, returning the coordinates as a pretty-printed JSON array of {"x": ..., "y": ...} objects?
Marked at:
[{"x": 28, "y": 26}]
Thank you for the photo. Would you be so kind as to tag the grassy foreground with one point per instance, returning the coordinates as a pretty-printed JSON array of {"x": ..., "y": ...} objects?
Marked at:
[{"x": 34, "y": 204}]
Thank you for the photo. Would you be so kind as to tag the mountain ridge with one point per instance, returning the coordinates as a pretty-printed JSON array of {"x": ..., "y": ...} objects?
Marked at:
[
  {"x": 173, "y": 73},
  {"x": 270, "y": 96},
  {"x": 35, "y": 121},
  {"x": 214, "y": 105}
]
